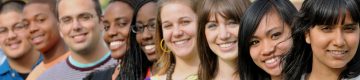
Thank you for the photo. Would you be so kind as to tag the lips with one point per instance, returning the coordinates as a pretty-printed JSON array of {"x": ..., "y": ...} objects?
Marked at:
[
  {"x": 337, "y": 54},
  {"x": 114, "y": 45},
  {"x": 14, "y": 44},
  {"x": 78, "y": 38},
  {"x": 227, "y": 46},
  {"x": 272, "y": 62},
  {"x": 37, "y": 39}
]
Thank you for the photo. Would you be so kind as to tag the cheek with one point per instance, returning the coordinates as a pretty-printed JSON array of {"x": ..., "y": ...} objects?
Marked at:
[
  {"x": 254, "y": 53},
  {"x": 167, "y": 35},
  {"x": 106, "y": 37},
  {"x": 125, "y": 32},
  {"x": 138, "y": 38},
  {"x": 210, "y": 37},
  {"x": 353, "y": 41},
  {"x": 285, "y": 47}
]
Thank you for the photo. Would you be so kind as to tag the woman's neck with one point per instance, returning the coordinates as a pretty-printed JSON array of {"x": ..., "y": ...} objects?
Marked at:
[
  {"x": 186, "y": 67},
  {"x": 226, "y": 70},
  {"x": 322, "y": 72}
]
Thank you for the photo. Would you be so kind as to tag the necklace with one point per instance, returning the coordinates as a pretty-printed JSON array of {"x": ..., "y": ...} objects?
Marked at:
[{"x": 171, "y": 71}]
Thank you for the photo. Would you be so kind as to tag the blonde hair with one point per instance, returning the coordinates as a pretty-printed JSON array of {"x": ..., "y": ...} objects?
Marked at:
[{"x": 166, "y": 58}]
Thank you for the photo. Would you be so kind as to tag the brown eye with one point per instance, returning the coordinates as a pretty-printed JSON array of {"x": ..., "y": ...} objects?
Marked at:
[
  {"x": 3, "y": 30},
  {"x": 350, "y": 28},
  {"x": 66, "y": 20},
  {"x": 106, "y": 26},
  {"x": 211, "y": 25},
  {"x": 276, "y": 35},
  {"x": 254, "y": 42},
  {"x": 167, "y": 25},
  {"x": 326, "y": 28}
]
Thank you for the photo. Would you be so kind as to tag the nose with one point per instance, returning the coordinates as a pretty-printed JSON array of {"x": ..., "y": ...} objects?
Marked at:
[
  {"x": 146, "y": 35},
  {"x": 223, "y": 33},
  {"x": 178, "y": 32},
  {"x": 112, "y": 30},
  {"x": 339, "y": 40},
  {"x": 12, "y": 35},
  {"x": 268, "y": 48},
  {"x": 77, "y": 26},
  {"x": 33, "y": 28}
]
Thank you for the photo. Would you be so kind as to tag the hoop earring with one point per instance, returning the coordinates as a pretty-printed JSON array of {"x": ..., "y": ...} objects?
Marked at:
[{"x": 162, "y": 46}]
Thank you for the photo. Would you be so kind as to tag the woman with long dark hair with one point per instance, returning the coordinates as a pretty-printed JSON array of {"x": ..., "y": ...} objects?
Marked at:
[
  {"x": 264, "y": 38},
  {"x": 326, "y": 35}
]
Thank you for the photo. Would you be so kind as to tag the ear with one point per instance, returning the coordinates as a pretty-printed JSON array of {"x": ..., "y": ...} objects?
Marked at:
[
  {"x": 307, "y": 37},
  {"x": 61, "y": 35}
]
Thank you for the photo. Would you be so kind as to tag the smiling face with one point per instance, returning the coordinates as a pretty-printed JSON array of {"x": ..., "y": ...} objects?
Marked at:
[
  {"x": 117, "y": 21},
  {"x": 221, "y": 35},
  {"x": 42, "y": 25},
  {"x": 333, "y": 46},
  {"x": 80, "y": 26},
  {"x": 13, "y": 40},
  {"x": 146, "y": 16},
  {"x": 270, "y": 42},
  {"x": 179, "y": 26}
]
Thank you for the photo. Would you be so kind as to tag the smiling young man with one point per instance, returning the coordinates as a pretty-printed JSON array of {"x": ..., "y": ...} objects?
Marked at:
[
  {"x": 20, "y": 53},
  {"x": 44, "y": 34},
  {"x": 81, "y": 27}
]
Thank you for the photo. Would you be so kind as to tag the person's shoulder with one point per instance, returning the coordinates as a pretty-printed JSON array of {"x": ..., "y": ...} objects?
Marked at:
[
  {"x": 105, "y": 74},
  {"x": 36, "y": 72},
  {"x": 4, "y": 67}
]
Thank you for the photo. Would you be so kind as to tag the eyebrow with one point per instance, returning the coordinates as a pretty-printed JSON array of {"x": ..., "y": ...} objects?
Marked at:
[
  {"x": 351, "y": 24},
  {"x": 119, "y": 18},
  {"x": 181, "y": 18},
  {"x": 37, "y": 15},
  {"x": 152, "y": 19},
  {"x": 267, "y": 33}
]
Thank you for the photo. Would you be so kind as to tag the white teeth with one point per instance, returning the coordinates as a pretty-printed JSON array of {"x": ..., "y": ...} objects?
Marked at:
[
  {"x": 116, "y": 43},
  {"x": 148, "y": 47},
  {"x": 226, "y": 45},
  {"x": 272, "y": 60},
  {"x": 337, "y": 52},
  {"x": 180, "y": 42}
]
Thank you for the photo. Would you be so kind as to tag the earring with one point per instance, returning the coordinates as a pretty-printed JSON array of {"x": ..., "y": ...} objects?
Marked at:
[{"x": 162, "y": 46}]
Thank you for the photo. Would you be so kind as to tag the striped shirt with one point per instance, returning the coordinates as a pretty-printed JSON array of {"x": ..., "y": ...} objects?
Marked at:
[{"x": 66, "y": 71}]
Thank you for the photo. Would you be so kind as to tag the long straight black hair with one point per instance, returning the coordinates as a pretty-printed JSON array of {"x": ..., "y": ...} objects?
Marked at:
[
  {"x": 318, "y": 12},
  {"x": 134, "y": 65},
  {"x": 249, "y": 23}
]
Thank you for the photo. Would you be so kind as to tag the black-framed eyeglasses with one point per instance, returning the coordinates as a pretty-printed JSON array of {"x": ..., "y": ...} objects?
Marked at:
[{"x": 139, "y": 28}]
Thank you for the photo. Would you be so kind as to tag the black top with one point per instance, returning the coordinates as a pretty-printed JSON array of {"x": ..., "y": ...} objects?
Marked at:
[{"x": 101, "y": 75}]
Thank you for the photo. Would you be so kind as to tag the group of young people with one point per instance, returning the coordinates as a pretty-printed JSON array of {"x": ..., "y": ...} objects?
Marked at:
[{"x": 180, "y": 40}]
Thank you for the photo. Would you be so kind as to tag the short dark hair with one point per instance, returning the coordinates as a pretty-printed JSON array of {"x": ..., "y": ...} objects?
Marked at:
[
  {"x": 96, "y": 3},
  {"x": 319, "y": 12},
  {"x": 249, "y": 24},
  {"x": 12, "y": 5},
  {"x": 50, "y": 3}
]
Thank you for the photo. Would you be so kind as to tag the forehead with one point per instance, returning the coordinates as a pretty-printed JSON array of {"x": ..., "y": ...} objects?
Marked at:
[
  {"x": 175, "y": 11},
  {"x": 10, "y": 18},
  {"x": 118, "y": 9},
  {"x": 271, "y": 19},
  {"x": 35, "y": 9},
  {"x": 147, "y": 11},
  {"x": 75, "y": 7}
]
